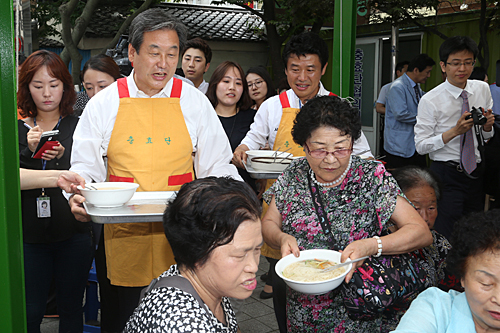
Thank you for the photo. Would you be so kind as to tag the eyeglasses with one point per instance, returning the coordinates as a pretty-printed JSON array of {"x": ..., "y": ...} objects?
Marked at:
[
  {"x": 257, "y": 84},
  {"x": 468, "y": 63},
  {"x": 320, "y": 153}
]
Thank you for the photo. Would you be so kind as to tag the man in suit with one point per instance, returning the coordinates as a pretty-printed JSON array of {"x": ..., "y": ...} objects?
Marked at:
[{"x": 401, "y": 114}]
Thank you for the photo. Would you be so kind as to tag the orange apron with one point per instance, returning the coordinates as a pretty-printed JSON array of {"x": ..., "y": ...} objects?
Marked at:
[
  {"x": 283, "y": 141},
  {"x": 150, "y": 145}
]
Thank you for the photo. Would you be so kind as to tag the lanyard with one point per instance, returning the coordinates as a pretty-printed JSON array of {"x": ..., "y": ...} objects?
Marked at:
[{"x": 44, "y": 162}]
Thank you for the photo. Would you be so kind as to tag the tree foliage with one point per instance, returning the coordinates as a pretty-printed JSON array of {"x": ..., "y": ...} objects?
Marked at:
[
  {"x": 408, "y": 12},
  {"x": 69, "y": 19},
  {"x": 284, "y": 18}
]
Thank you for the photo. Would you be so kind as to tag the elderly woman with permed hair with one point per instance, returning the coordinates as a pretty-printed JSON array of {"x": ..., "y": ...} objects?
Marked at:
[
  {"x": 214, "y": 229},
  {"x": 358, "y": 198},
  {"x": 475, "y": 259}
]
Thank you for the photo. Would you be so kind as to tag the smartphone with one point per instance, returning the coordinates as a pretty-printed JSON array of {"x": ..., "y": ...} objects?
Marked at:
[{"x": 47, "y": 141}]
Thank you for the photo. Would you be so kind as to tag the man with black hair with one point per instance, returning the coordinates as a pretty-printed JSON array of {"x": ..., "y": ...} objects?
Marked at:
[
  {"x": 401, "y": 68},
  {"x": 157, "y": 132},
  {"x": 446, "y": 132},
  {"x": 401, "y": 113},
  {"x": 196, "y": 61},
  {"x": 305, "y": 57}
]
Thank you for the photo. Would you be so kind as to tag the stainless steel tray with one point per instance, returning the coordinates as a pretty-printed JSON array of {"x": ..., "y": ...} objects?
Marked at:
[
  {"x": 260, "y": 174},
  {"x": 143, "y": 207}
]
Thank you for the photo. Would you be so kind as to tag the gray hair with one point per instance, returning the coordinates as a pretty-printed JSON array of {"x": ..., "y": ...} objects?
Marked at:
[
  {"x": 152, "y": 20},
  {"x": 410, "y": 177}
]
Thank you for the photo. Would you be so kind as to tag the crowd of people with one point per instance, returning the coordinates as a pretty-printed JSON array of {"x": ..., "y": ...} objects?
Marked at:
[{"x": 178, "y": 132}]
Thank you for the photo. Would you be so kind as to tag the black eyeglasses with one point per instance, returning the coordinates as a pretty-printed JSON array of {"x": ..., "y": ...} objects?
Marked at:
[
  {"x": 468, "y": 63},
  {"x": 320, "y": 153},
  {"x": 257, "y": 84}
]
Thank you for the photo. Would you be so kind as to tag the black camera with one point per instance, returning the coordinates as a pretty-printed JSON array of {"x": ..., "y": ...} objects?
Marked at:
[{"x": 477, "y": 116}]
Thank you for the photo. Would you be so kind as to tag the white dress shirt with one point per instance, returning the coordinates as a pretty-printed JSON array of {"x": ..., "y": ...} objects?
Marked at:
[
  {"x": 203, "y": 87},
  {"x": 439, "y": 110},
  {"x": 382, "y": 96},
  {"x": 212, "y": 152},
  {"x": 268, "y": 118}
]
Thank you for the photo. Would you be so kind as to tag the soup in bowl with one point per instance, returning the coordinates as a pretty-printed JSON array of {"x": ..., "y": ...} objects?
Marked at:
[
  {"x": 304, "y": 274},
  {"x": 108, "y": 194}
]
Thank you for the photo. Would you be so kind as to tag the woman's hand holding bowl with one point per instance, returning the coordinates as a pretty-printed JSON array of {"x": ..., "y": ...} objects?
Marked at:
[
  {"x": 358, "y": 249},
  {"x": 288, "y": 244}
]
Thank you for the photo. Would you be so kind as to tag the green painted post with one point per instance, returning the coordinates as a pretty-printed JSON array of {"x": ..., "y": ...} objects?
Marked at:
[
  {"x": 344, "y": 43},
  {"x": 12, "y": 301}
]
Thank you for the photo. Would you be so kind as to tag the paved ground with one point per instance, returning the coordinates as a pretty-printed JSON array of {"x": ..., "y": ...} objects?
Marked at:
[{"x": 256, "y": 315}]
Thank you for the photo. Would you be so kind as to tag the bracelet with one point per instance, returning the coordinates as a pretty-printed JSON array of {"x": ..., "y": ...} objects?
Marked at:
[{"x": 379, "y": 245}]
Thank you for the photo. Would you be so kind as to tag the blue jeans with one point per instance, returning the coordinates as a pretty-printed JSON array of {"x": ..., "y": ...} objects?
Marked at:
[{"x": 69, "y": 263}]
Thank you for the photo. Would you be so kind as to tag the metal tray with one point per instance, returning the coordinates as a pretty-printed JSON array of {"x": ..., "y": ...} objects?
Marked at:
[
  {"x": 143, "y": 207},
  {"x": 261, "y": 175}
]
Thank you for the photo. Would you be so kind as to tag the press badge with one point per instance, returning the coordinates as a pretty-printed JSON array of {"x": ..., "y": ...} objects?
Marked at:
[{"x": 43, "y": 206}]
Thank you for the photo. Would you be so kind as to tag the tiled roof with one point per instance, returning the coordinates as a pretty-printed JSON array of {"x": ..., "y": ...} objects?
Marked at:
[
  {"x": 208, "y": 22},
  {"x": 218, "y": 23},
  {"x": 48, "y": 42},
  {"x": 106, "y": 21}
]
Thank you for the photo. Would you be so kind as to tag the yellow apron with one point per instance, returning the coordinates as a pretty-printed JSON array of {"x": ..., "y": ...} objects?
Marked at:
[
  {"x": 150, "y": 145},
  {"x": 284, "y": 140}
]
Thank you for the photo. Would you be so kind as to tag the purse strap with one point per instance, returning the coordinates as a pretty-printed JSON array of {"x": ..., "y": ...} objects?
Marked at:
[
  {"x": 175, "y": 281},
  {"x": 320, "y": 211}
]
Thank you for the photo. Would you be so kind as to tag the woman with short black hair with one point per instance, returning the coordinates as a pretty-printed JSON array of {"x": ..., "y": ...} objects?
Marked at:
[
  {"x": 475, "y": 260},
  {"x": 334, "y": 200},
  {"x": 214, "y": 230}
]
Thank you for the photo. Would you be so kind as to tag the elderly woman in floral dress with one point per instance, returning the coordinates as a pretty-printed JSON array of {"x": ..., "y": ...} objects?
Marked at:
[{"x": 360, "y": 198}]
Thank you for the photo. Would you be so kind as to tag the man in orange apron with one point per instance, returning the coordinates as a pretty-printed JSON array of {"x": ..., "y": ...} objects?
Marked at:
[
  {"x": 306, "y": 58},
  {"x": 155, "y": 131}
]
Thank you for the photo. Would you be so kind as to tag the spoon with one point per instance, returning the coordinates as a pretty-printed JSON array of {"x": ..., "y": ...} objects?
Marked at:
[{"x": 343, "y": 264}]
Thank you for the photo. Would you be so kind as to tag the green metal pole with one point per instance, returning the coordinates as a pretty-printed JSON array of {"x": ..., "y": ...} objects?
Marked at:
[
  {"x": 344, "y": 43},
  {"x": 12, "y": 301}
]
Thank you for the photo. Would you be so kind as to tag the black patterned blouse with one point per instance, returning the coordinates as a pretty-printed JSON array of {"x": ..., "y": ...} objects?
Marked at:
[{"x": 173, "y": 310}]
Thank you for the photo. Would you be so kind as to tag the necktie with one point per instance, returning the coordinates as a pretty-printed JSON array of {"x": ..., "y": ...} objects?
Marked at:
[
  {"x": 467, "y": 150},
  {"x": 417, "y": 92}
]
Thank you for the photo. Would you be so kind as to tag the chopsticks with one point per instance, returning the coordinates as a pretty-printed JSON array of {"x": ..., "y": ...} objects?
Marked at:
[
  {"x": 280, "y": 152},
  {"x": 364, "y": 151}
]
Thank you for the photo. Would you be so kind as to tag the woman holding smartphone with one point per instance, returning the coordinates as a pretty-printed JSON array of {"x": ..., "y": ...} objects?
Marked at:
[{"x": 55, "y": 244}]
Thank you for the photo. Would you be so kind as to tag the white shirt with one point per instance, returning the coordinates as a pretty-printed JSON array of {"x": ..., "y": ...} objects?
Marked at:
[
  {"x": 439, "y": 111},
  {"x": 203, "y": 87},
  {"x": 382, "y": 96},
  {"x": 268, "y": 118},
  {"x": 93, "y": 132}
]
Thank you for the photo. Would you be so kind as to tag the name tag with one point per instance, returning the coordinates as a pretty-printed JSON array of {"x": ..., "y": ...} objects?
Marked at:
[{"x": 43, "y": 206}]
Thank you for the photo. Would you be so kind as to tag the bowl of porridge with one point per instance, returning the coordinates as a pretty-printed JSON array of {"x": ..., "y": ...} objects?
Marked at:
[{"x": 108, "y": 194}]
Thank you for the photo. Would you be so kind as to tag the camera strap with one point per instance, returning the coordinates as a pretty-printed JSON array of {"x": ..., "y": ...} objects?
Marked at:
[{"x": 480, "y": 147}]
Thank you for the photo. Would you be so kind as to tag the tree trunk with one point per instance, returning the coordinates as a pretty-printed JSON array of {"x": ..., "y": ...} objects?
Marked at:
[
  {"x": 66, "y": 9},
  {"x": 274, "y": 41},
  {"x": 484, "y": 24},
  {"x": 318, "y": 24},
  {"x": 125, "y": 25},
  {"x": 79, "y": 29}
]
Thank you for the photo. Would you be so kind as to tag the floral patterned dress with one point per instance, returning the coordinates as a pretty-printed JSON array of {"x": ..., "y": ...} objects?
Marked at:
[{"x": 358, "y": 208}]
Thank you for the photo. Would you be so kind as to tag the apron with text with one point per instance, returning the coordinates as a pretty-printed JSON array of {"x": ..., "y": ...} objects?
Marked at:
[
  {"x": 283, "y": 141},
  {"x": 150, "y": 145}
]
